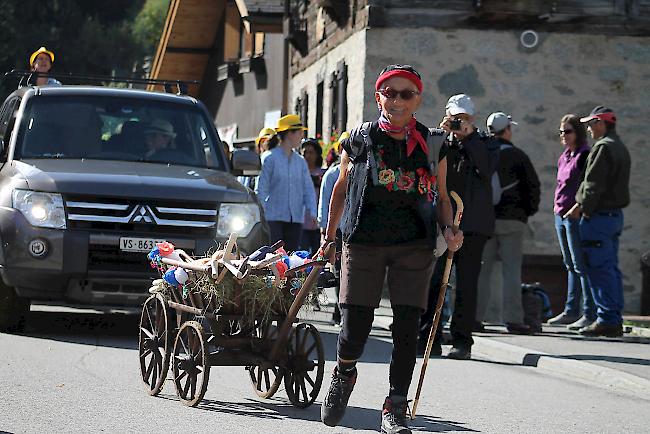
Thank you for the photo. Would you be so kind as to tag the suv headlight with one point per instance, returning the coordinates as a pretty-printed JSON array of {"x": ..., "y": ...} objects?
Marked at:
[
  {"x": 44, "y": 210},
  {"x": 237, "y": 217}
]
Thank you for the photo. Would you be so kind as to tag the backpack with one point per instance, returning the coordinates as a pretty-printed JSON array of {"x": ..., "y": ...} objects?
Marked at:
[
  {"x": 536, "y": 305},
  {"x": 497, "y": 188}
]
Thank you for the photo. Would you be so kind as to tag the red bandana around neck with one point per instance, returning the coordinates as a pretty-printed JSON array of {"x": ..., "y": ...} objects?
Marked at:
[{"x": 413, "y": 136}]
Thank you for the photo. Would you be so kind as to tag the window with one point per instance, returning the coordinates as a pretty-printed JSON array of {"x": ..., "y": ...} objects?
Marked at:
[
  {"x": 319, "y": 109},
  {"x": 340, "y": 102},
  {"x": 7, "y": 120},
  {"x": 302, "y": 107},
  {"x": 110, "y": 128}
]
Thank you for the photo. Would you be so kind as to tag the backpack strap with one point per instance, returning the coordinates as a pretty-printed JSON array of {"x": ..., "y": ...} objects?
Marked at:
[{"x": 371, "y": 162}]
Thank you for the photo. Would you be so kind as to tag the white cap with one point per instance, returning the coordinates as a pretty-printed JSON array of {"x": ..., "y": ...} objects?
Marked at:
[
  {"x": 498, "y": 122},
  {"x": 460, "y": 103}
]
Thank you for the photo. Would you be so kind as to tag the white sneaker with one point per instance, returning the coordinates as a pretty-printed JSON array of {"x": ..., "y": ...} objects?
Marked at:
[{"x": 582, "y": 322}]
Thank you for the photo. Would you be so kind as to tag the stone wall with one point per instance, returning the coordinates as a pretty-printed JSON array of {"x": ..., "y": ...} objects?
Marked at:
[
  {"x": 562, "y": 74},
  {"x": 351, "y": 51}
]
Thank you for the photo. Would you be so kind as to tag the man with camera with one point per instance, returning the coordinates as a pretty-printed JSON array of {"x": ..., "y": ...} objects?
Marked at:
[{"x": 471, "y": 160}]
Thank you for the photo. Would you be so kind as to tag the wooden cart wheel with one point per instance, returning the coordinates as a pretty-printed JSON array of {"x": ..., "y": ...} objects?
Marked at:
[
  {"x": 190, "y": 365},
  {"x": 154, "y": 345},
  {"x": 266, "y": 378},
  {"x": 305, "y": 365}
]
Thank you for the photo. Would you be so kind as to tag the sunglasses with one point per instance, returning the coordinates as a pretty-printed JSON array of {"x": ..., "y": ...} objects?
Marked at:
[
  {"x": 565, "y": 132},
  {"x": 405, "y": 94}
]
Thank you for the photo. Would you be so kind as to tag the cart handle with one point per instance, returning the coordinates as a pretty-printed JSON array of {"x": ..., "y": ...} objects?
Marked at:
[
  {"x": 310, "y": 281},
  {"x": 291, "y": 271}
]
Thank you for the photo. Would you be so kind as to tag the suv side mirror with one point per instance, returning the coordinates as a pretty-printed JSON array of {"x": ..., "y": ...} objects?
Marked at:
[{"x": 245, "y": 163}]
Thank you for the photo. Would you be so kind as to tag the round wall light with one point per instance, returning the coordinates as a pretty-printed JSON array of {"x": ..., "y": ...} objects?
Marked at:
[{"x": 529, "y": 39}]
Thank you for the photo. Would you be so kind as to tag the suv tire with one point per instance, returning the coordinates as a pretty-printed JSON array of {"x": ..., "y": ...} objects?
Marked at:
[{"x": 13, "y": 310}]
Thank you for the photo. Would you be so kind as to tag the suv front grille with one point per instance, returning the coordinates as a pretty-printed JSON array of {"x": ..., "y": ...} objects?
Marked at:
[
  {"x": 129, "y": 215},
  {"x": 111, "y": 258}
]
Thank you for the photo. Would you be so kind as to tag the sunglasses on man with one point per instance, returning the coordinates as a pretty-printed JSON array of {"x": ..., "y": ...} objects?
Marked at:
[{"x": 405, "y": 94}]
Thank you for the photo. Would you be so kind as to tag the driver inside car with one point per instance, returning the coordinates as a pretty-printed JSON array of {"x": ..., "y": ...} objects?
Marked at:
[{"x": 159, "y": 136}]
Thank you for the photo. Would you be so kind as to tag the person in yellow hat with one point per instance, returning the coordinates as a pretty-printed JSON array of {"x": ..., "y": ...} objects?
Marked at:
[
  {"x": 262, "y": 139},
  {"x": 284, "y": 185},
  {"x": 41, "y": 61},
  {"x": 334, "y": 152}
]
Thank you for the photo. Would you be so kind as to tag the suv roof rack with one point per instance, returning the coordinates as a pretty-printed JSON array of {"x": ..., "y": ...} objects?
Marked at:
[{"x": 169, "y": 85}]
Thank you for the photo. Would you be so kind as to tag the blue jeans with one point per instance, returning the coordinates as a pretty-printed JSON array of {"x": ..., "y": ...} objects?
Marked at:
[
  {"x": 568, "y": 234},
  {"x": 599, "y": 235}
]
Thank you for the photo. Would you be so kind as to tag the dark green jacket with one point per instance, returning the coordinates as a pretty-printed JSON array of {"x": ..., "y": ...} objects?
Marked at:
[{"x": 607, "y": 176}]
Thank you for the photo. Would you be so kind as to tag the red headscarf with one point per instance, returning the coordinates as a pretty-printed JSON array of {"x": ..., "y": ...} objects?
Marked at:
[{"x": 413, "y": 136}]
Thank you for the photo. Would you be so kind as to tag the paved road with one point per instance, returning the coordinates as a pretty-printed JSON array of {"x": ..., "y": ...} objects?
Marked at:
[{"x": 79, "y": 373}]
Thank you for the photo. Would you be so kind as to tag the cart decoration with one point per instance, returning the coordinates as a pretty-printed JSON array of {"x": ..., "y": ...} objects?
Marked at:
[{"x": 231, "y": 309}]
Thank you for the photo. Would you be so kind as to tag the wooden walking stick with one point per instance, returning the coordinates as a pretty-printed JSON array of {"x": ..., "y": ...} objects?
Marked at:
[{"x": 441, "y": 300}]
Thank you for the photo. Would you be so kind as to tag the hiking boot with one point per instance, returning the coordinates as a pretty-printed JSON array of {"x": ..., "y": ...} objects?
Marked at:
[
  {"x": 518, "y": 329},
  {"x": 460, "y": 353},
  {"x": 600, "y": 329},
  {"x": 436, "y": 348},
  {"x": 562, "y": 319},
  {"x": 336, "y": 401},
  {"x": 393, "y": 416},
  {"x": 580, "y": 324}
]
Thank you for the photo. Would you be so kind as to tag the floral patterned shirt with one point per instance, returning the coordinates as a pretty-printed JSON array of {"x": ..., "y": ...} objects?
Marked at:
[{"x": 389, "y": 213}]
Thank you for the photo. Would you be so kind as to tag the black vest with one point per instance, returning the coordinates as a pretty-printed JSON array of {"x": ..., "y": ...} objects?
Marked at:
[{"x": 363, "y": 172}]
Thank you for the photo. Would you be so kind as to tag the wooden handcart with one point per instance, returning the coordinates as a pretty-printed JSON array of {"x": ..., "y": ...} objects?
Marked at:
[{"x": 190, "y": 332}]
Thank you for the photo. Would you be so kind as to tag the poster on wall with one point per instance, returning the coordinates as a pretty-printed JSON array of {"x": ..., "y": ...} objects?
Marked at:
[
  {"x": 228, "y": 134},
  {"x": 271, "y": 118}
]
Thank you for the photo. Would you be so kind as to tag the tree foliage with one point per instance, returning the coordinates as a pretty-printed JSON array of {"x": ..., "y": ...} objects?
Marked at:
[
  {"x": 87, "y": 37},
  {"x": 149, "y": 23}
]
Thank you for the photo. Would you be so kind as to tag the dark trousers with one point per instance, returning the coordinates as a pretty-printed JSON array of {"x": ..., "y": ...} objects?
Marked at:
[
  {"x": 288, "y": 232},
  {"x": 600, "y": 239},
  {"x": 310, "y": 240},
  {"x": 356, "y": 326},
  {"x": 468, "y": 268}
]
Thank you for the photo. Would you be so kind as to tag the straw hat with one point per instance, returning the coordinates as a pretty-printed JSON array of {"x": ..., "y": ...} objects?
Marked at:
[
  {"x": 289, "y": 122},
  {"x": 35, "y": 54},
  {"x": 161, "y": 126},
  {"x": 265, "y": 133},
  {"x": 337, "y": 145}
]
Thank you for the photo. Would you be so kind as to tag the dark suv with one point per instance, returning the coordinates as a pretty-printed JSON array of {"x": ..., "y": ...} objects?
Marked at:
[{"x": 92, "y": 177}]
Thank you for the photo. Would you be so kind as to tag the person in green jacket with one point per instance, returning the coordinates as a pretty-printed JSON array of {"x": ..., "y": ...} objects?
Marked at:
[{"x": 602, "y": 195}]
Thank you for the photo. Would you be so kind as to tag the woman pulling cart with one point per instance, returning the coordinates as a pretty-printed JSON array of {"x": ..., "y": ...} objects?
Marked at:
[{"x": 388, "y": 181}]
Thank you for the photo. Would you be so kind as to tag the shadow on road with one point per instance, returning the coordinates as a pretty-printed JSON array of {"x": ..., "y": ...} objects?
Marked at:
[
  {"x": 357, "y": 418},
  {"x": 121, "y": 331},
  {"x": 109, "y": 330}
]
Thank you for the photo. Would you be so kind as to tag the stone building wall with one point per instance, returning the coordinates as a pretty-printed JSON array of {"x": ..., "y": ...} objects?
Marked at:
[
  {"x": 351, "y": 51},
  {"x": 562, "y": 74}
]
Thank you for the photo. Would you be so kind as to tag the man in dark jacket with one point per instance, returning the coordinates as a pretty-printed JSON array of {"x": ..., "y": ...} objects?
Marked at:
[
  {"x": 602, "y": 195},
  {"x": 515, "y": 189},
  {"x": 470, "y": 166}
]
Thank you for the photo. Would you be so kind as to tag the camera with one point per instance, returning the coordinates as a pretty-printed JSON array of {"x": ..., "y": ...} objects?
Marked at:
[{"x": 454, "y": 124}]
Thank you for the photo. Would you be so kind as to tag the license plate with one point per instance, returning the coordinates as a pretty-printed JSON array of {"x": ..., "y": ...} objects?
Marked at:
[{"x": 129, "y": 244}]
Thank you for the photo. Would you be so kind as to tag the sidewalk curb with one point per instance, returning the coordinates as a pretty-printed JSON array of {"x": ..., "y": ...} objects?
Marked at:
[
  {"x": 641, "y": 331},
  {"x": 596, "y": 375}
]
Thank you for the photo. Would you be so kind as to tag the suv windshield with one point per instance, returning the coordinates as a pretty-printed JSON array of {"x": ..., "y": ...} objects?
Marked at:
[{"x": 114, "y": 128}]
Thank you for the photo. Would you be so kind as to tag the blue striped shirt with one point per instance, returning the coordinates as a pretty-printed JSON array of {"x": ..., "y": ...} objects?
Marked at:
[
  {"x": 326, "y": 188},
  {"x": 285, "y": 187}
]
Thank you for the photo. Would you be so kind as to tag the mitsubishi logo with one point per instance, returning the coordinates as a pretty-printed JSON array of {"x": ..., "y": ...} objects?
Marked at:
[{"x": 142, "y": 214}]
